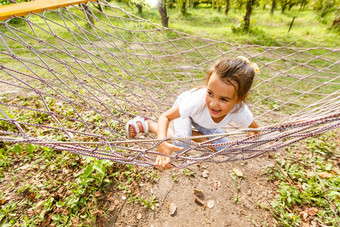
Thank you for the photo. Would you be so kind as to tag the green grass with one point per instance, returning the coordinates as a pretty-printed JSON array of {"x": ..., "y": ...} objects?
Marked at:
[{"x": 266, "y": 29}]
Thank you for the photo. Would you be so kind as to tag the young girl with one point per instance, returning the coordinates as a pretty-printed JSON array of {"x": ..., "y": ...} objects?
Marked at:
[{"x": 207, "y": 109}]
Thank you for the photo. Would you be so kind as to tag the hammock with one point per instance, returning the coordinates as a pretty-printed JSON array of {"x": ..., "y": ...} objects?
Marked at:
[{"x": 71, "y": 77}]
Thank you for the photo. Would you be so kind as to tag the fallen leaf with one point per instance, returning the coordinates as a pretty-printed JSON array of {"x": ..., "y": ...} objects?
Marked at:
[
  {"x": 325, "y": 175},
  {"x": 31, "y": 196},
  {"x": 47, "y": 221},
  {"x": 199, "y": 202},
  {"x": 98, "y": 193},
  {"x": 304, "y": 215},
  {"x": 198, "y": 193},
  {"x": 172, "y": 209},
  {"x": 313, "y": 211},
  {"x": 38, "y": 207},
  {"x": 2, "y": 201}
]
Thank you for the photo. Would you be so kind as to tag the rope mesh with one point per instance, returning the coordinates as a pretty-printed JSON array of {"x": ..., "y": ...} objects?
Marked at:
[{"x": 70, "y": 78}]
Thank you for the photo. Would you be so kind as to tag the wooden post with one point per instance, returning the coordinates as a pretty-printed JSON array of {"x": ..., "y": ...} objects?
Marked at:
[{"x": 291, "y": 24}]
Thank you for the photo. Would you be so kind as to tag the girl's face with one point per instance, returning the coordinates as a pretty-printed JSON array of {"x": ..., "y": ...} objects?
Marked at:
[{"x": 220, "y": 98}]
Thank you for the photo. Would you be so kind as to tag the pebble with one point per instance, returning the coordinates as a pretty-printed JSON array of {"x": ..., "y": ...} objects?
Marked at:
[
  {"x": 139, "y": 216},
  {"x": 210, "y": 204},
  {"x": 205, "y": 174}
]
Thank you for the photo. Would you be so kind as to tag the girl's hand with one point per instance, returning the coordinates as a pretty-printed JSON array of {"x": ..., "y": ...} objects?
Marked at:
[
  {"x": 163, "y": 162},
  {"x": 252, "y": 133},
  {"x": 253, "y": 125}
]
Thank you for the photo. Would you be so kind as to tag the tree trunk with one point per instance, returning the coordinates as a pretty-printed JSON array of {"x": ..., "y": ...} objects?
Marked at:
[
  {"x": 336, "y": 22},
  {"x": 184, "y": 8},
  {"x": 283, "y": 7},
  {"x": 227, "y": 8},
  {"x": 140, "y": 8},
  {"x": 99, "y": 6},
  {"x": 290, "y": 6},
  {"x": 273, "y": 7},
  {"x": 163, "y": 13},
  {"x": 88, "y": 13},
  {"x": 249, "y": 9},
  {"x": 264, "y": 7}
]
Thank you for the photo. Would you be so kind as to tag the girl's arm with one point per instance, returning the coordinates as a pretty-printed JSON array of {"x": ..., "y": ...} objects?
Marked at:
[{"x": 163, "y": 162}]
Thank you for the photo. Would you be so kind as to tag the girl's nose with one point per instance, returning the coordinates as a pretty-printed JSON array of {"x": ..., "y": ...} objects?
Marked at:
[{"x": 213, "y": 103}]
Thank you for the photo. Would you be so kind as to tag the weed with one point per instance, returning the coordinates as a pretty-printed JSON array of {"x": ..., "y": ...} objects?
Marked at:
[
  {"x": 307, "y": 186},
  {"x": 188, "y": 172},
  {"x": 175, "y": 178}
]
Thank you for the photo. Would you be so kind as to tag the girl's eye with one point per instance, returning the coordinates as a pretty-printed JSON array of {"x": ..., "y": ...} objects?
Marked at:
[
  {"x": 209, "y": 93},
  {"x": 225, "y": 100}
]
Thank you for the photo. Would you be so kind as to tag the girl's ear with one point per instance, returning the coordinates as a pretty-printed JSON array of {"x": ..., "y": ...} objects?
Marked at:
[{"x": 242, "y": 99}]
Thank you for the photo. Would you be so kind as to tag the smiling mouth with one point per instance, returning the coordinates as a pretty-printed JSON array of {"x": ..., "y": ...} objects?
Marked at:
[{"x": 215, "y": 111}]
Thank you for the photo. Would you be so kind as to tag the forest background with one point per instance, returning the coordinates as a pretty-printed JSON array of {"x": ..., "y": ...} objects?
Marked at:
[{"x": 42, "y": 186}]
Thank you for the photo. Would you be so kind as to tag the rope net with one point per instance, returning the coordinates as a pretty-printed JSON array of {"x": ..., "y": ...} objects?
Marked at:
[{"x": 70, "y": 79}]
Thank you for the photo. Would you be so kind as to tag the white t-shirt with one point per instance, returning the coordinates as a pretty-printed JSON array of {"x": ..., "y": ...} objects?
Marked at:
[{"x": 192, "y": 104}]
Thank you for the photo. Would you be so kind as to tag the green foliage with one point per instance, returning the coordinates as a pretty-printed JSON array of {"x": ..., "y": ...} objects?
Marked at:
[{"x": 307, "y": 183}]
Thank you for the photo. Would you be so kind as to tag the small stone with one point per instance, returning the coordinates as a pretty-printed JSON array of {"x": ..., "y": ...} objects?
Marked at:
[
  {"x": 123, "y": 197},
  {"x": 172, "y": 209},
  {"x": 210, "y": 204},
  {"x": 139, "y": 216},
  {"x": 205, "y": 174},
  {"x": 217, "y": 184}
]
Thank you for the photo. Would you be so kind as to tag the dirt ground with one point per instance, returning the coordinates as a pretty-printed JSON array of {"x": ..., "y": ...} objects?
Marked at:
[{"x": 228, "y": 201}]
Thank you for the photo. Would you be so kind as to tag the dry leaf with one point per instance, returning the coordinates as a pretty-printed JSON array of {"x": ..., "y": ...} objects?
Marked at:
[
  {"x": 2, "y": 201},
  {"x": 198, "y": 193},
  {"x": 47, "y": 221},
  {"x": 172, "y": 209},
  {"x": 325, "y": 175},
  {"x": 313, "y": 211},
  {"x": 98, "y": 193},
  {"x": 199, "y": 202}
]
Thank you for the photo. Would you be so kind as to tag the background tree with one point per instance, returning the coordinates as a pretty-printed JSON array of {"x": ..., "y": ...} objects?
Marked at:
[
  {"x": 249, "y": 9},
  {"x": 303, "y": 3},
  {"x": 217, "y": 4},
  {"x": 182, "y": 6},
  {"x": 273, "y": 7},
  {"x": 139, "y": 4},
  {"x": 227, "y": 8},
  {"x": 163, "y": 12},
  {"x": 284, "y": 4}
]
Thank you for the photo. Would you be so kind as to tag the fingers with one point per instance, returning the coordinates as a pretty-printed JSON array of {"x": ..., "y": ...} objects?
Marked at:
[
  {"x": 175, "y": 148},
  {"x": 163, "y": 163}
]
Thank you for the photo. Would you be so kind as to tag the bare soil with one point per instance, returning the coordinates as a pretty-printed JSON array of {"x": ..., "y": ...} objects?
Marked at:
[{"x": 227, "y": 201}]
